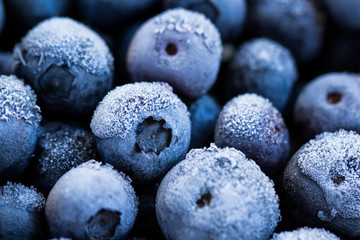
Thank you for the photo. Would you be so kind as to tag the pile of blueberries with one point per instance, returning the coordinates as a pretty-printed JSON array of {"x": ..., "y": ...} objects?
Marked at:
[{"x": 179, "y": 119}]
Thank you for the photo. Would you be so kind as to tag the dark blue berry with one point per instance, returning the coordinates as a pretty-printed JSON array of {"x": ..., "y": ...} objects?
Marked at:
[
  {"x": 7, "y": 63},
  {"x": 345, "y": 13}
]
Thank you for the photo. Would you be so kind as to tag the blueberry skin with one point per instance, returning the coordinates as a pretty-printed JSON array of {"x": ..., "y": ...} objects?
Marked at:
[
  {"x": 228, "y": 15},
  {"x": 180, "y": 47},
  {"x": 328, "y": 103},
  {"x": 251, "y": 124},
  {"x": 21, "y": 213},
  {"x": 345, "y": 13},
  {"x": 60, "y": 148},
  {"x": 306, "y": 233},
  {"x": 19, "y": 125},
  {"x": 68, "y": 65},
  {"x": 296, "y": 24},
  {"x": 91, "y": 201},
  {"x": 203, "y": 115},
  {"x": 321, "y": 183},
  {"x": 142, "y": 129},
  {"x": 30, "y": 12},
  {"x": 264, "y": 67},
  {"x": 217, "y": 194},
  {"x": 7, "y": 63}
]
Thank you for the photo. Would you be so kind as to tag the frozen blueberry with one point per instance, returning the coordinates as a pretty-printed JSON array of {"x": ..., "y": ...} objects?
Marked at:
[
  {"x": 328, "y": 103},
  {"x": 7, "y": 63},
  {"x": 142, "y": 129},
  {"x": 203, "y": 115},
  {"x": 68, "y": 65},
  {"x": 227, "y": 15},
  {"x": 321, "y": 183},
  {"x": 345, "y": 13},
  {"x": 21, "y": 213},
  {"x": 251, "y": 124},
  {"x": 110, "y": 13},
  {"x": 19, "y": 124},
  {"x": 294, "y": 23},
  {"x": 91, "y": 201},
  {"x": 306, "y": 233},
  {"x": 30, "y": 12},
  {"x": 60, "y": 148},
  {"x": 264, "y": 67},
  {"x": 180, "y": 47},
  {"x": 217, "y": 194}
]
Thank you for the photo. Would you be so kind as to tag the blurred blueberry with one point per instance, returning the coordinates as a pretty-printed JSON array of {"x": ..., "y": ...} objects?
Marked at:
[
  {"x": 21, "y": 213},
  {"x": 19, "y": 124},
  {"x": 264, "y": 67},
  {"x": 142, "y": 129},
  {"x": 305, "y": 233},
  {"x": 180, "y": 47},
  {"x": 328, "y": 103},
  {"x": 227, "y": 15},
  {"x": 251, "y": 124},
  {"x": 7, "y": 63},
  {"x": 296, "y": 24},
  {"x": 91, "y": 201},
  {"x": 217, "y": 194},
  {"x": 203, "y": 115},
  {"x": 60, "y": 148},
  {"x": 321, "y": 183},
  {"x": 68, "y": 65},
  {"x": 345, "y": 13},
  {"x": 2, "y": 15}
]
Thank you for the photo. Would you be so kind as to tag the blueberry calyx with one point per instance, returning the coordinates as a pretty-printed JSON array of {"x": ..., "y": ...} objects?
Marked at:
[
  {"x": 171, "y": 49},
  {"x": 152, "y": 136},
  {"x": 334, "y": 98},
  {"x": 103, "y": 225},
  {"x": 204, "y": 200}
]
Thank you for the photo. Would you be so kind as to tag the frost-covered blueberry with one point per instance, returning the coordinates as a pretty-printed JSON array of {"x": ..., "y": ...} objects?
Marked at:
[
  {"x": 345, "y": 13},
  {"x": 142, "y": 129},
  {"x": 19, "y": 124},
  {"x": 296, "y": 24},
  {"x": 264, "y": 67},
  {"x": 68, "y": 65},
  {"x": 306, "y": 233},
  {"x": 217, "y": 194},
  {"x": 91, "y": 201},
  {"x": 227, "y": 15},
  {"x": 180, "y": 47},
  {"x": 328, "y": 103},
  {"x": 60, "y": 147},
  {"x": 321, "y": 183},
  {"x": 21, "y": 213},
  {"x": 203, "y": 115},
  {"x": 251, "y": 124}
]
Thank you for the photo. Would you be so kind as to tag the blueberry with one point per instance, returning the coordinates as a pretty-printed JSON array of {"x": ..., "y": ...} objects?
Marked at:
[
  {"x": 306, "y": 233},
  {"x": 180, "y": 47},
  {"x": 345, "y": 13},
  {"x": 264, "y": 67},
  {"x": 7, "y": 63},
  {"x": 321, "y": 183},
  {"x": 19, "y": 124},
  {"x": 68, "y": 65},
  {"x": 217, "y": 194},
  {"x": 2, "y": 15},
  {"x": 91, "y": 201},
  {"x": 294, "y": 23},
  {"x": 142, "y": 129},
  {"x": 328, "y": 103},
  {"x": 251, "y": 124},
  {"x": 203, "y": 115},
  {"x": 227, "y": 15},
  {"x": 21, "y": 212},
  {"x": 60, "y": 148}
]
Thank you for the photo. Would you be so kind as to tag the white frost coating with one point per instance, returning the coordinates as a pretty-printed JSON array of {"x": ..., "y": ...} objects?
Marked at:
[
  {"x": 18, "y": 101},
  {"x": 182, "y": 20},
  {"x": 120, "y": 109},
  {"x": 19, "y": 196},
  {"x": 306, "y": 234},
  {"x": 332, "y": 160},
  {"x": 67, "y": 40}
]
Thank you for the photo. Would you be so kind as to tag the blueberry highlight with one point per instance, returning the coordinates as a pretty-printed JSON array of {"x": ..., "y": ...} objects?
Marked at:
[
  {"x": 68, "y": 65},
  {"x": 306, "y": 233},
  {"x": 180, "y": 47},
  {"x": 217, "y": 194}
]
